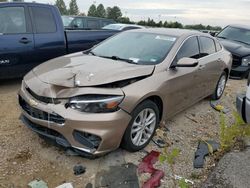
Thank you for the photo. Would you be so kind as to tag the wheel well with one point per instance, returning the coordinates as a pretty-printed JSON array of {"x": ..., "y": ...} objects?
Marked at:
[
  {"x": 226, "y": 71},
  {"x": 157, "y": 100}
]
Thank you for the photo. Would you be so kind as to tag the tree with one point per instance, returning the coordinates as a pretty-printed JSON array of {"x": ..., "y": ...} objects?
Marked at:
[
  {"x": 73, "y": 8},
  {"x": 92, "y": 10},
  {"x": 100, "y": 11},
  {"x": 61, "y": 6},
  {"x": 114, "y": 13},
  {"x": 125, "y": 20}
]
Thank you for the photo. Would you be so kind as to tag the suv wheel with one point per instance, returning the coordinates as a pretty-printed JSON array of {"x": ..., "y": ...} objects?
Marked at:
[
  {"x": 221, "y": 85},
  {"x": 141, "y": 129}
]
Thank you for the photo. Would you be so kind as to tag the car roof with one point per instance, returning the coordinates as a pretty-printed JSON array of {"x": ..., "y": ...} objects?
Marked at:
[
  {"x": 171, "y": 32},
  {"x": 127, "y": 25},
  {"x": 240, "y": 26}
]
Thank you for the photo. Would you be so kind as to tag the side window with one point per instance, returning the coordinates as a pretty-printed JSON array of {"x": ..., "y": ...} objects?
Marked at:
[
  {"x": 190, "y": 49},
  {"x": 218, "y": 46},
  {"x": 43, "y": 20},
  {"x": 77, "y": 23},
  {"x": 207, "y": 46},
  {"x": 12, "y": 20},
  {"x": 93, "y": 24}
]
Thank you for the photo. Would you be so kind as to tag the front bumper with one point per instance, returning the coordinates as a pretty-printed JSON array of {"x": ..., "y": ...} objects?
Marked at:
[
  {"x": 93, "y": 134},
  {"x": 239, "y": 72}
]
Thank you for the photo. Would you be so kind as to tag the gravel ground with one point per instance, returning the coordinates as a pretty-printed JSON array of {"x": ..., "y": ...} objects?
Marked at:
[{"x": 25, "y": 157}]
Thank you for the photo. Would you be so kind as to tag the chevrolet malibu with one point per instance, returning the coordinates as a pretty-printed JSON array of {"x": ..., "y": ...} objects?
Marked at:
[{"x": 117, "y": 93}]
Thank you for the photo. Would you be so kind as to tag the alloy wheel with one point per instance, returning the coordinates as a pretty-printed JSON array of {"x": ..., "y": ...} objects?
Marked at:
[{"x": 143, "y": 127}]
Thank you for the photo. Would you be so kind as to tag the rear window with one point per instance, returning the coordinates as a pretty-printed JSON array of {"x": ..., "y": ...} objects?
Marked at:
[
  {"x": 43, "y": 20},
  {"x": 207, "y": 46},
  {"x": 12, "y": 20}
]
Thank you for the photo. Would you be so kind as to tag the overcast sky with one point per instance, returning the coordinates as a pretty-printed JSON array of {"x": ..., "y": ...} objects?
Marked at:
[{"x": 213, "y": 12}]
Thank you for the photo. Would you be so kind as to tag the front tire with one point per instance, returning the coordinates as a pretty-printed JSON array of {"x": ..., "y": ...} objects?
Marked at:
[
  {"x": 220, "y": 87},
  {"x": 141, "y": 128}
]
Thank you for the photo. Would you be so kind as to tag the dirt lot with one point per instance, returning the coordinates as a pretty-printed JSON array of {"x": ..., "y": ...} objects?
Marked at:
[{"x": 25, "y": 157}]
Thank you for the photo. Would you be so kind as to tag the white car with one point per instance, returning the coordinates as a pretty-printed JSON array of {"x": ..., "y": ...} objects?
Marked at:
[{"x": 122, "y": 27}]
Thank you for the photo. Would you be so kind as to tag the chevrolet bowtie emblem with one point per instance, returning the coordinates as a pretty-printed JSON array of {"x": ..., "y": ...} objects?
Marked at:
[
  {"x": 33, "y": 102},
  {"x": 90, "y": 76}
]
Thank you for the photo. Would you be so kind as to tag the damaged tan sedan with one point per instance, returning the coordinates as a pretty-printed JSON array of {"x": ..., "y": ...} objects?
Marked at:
[{"x": 117, "y": 93}]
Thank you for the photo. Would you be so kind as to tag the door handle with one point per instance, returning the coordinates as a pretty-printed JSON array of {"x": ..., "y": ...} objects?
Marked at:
[
  {"x": 24, "y": 40},
  {"x": 201, "y": 67}
]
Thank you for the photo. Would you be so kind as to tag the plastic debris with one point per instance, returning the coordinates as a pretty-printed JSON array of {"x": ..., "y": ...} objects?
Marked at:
[
  {"x": 204, "y": 149},
  {"x": 146, "y": 166},
  {"x": 218, "y": 107},
  {"x": 37, "y": 184},
  {"x": 121, "y": 176},
  {"x": 66, "y": 185},
  {"x": 79, "y": 169},
  {"x": 160, "y": 143},
  {"x": 186, "y": 180}
]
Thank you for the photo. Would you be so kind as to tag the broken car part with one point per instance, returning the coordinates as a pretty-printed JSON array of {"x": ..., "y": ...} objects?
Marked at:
[
  {"x": 202, "y": 151},
  {"x": 79, "y": 169},
  {"x": 117, "y": 95},
  {"x": 146, "y": 166},
  {"x": 218, "y": 107}
]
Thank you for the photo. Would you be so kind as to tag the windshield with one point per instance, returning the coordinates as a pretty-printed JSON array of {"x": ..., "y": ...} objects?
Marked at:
[
  {"x": 67, "y": 20},
  {"x": 113, "y": 27},
  {"x": 236, "y": 34},
  {"x": 141, "y": 48}
]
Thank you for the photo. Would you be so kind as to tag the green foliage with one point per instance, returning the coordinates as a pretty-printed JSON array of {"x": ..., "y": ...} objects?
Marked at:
[
  {"x": 170, "y": 157},
  {"x": 114, "y": 13},
  {"x": 182, "y": 183},
  {"x": 92, "y": 10},
  {"x": 62, "y": 7},
  {"x": 100, "y": 11},
  {"x": 73, "y": 8},
  {"x": 230, "y": 134},
  {"x": 3, "y": 0}
]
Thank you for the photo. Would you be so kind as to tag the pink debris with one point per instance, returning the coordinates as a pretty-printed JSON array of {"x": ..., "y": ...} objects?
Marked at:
[
  {"x": 154, "y": 180},
  {"x": 146, "y": 166}
]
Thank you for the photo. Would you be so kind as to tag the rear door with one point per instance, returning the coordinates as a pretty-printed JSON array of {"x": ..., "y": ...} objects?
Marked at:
[
  {"x": 16, "y": 41},
  {"x": 210, "y": 64},
  {"x": 49, "y": 33}
]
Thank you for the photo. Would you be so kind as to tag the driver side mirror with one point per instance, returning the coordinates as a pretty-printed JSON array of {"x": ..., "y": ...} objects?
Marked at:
[{"x": 186, "y": 62}]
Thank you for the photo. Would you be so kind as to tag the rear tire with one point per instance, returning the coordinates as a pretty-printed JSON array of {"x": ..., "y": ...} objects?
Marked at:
[
  {"x": 220, "y": 87},
  {"x": 141, "y": 128}
]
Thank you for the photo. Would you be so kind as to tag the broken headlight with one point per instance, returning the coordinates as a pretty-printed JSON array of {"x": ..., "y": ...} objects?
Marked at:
[
  {"x": 95, "y": 103},
  {"x": 245, "y": 61}
]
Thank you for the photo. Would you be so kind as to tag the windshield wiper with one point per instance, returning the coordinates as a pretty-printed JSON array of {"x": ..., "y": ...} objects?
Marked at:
[
  {"x": 241, "y": 42},
  {"x": 89, "y": 52},
  {"x": 119, "y": 59},
  {"x": 221, "y": 37}
]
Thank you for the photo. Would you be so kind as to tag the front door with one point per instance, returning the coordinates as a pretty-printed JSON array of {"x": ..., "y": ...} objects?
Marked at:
[{"x": 184, "y": 86}]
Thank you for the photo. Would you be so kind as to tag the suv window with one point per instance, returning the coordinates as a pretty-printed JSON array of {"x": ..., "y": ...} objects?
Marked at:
[
  {"x": 77, "y": 23},
  {"x": 207, "y": 46},
  {"x": 43, "y": 20},
  {"x": 93, "y": 24},
  {"x": 190, "y": 49},
  {"x": 12, "y": 20}
]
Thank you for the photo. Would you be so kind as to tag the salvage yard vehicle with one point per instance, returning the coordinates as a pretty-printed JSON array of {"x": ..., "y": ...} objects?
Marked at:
[
  {"x": 118, "y": 92},
  {"x": 236, "y": 39},
  {"x": 122, "y": 27},
  {"x": 32, "y": 33},
  {"x": 243, "y": 104},
  {"x": 85, "y": 22}
]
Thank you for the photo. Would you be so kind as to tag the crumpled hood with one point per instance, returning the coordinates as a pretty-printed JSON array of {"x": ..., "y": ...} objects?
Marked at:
[
  {"x": 84, "y": 70},
  {"x": 236, "y": 48}
]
